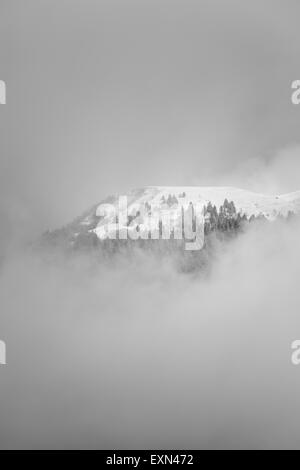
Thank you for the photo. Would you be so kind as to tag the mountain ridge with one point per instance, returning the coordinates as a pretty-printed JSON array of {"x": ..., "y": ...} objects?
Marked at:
[{"x": 225, "y": 208}]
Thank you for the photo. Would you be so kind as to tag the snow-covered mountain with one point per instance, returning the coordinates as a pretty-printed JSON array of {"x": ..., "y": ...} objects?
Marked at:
[
  {"x": 99, "y": 221},
  {"x": 246, "y": 202}
]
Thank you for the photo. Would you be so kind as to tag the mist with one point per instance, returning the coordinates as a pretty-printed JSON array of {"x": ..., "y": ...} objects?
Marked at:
[{"x": 139, "y": 355}]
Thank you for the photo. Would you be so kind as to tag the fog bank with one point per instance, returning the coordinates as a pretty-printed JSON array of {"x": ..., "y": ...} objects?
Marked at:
[{"x": 137, "y": 355}]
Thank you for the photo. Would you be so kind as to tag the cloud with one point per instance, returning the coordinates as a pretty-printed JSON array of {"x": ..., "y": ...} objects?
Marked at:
[
  {"x": 137, "y": 355},
  {"x": 278, "y": 174}
]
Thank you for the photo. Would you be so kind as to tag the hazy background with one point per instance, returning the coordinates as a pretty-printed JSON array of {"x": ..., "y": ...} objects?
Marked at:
[{"x": 103, "y": 96}]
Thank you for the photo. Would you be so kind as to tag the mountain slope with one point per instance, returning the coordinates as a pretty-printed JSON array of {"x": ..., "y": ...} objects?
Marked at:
[
  {"x": 246, "y": 202},
  {"x": 99, "y": 222}
]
